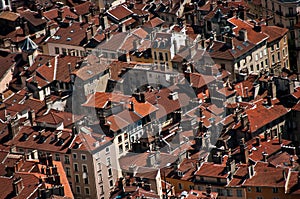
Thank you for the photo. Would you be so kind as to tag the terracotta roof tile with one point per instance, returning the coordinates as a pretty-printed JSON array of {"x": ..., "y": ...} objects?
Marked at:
[{"x": 120, "y": 12}]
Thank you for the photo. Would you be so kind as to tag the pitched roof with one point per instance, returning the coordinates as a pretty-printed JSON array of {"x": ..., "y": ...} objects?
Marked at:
[
  {"x": 209, "y": 169},
  {"x": 274, "y": 32},
  {"x": 50, "y": 118},
  {"x": 8, "y": 15},
  {"x": 120, "y": 12},
  {"x": 257, "y": 116},
  {"x": 33, "y": 17},
  {"x": 74, "y": 34},
  {"x": 253, "y": 36}
]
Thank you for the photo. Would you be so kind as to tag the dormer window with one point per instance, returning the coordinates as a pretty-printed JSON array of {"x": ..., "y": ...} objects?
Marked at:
[{"x": 179, "y": 173}]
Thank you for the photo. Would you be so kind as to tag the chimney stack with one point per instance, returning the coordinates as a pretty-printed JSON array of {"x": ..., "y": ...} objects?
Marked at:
[
  {"x": 18, "y": 185},
  {"x": 257, "y": 141},
  {"x": 265, "y": 155},
  {"x": 244, "y": 152}
]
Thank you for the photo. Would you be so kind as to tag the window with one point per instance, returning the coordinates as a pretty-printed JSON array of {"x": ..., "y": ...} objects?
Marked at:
[
  {"x": 229, "y": 193},
  {"x": 258, "y": 189},
  {"x": 77, "y": 178},
  {"x": 68, "y": 171},
  {"x": 256, "y": 57},
  {"x": 75, "y": 167},
  {"x": 292, "y": 23},
  {"x": 100, "y": 178},
  {"x": 275, "y": 190},
  {"x": 67, "y": 160},
  {"x": 260, "y": 54},
  {"x": 57, "y": 157},
  {"x": 155, "y": 56},
  {"x": 259, "y": 197},
  {"x": 109, "y": 172},
  {"x": 273, "y": 59},
  {"x": 64, "y": 51},
  {"x": 191, "y": 187},
  {"x": 86, "y": 180},
  {"x": 121, "y": 148},
  {"x": 56, "y": 50},
  {"x": 120, "y": 139},
  {"x": 99, "y": 166},
  {"x": 249, "y": 189},
  {"x": 161, "y": 56},
  {"x": 126, "y": 146},
  {"x": 107, "y": 150},
  {"x": 87, "y": 190},
  {"x": 84, "y": 168},
  {"x": 180, "y": 186},
  {"x": 265, "y": 51},
  {"x": 74, "y": 155},
  {"x": 278, "y": 56},
  {"x": 83, "y": 157},
  {"x": 77, "y": 189},
  {"x": 257, "y": 67},
  {"x": 239, "y": 193},
  {"x": 108, "y": 161},
  {"x": 111, "y": 183},
  {"x": 101, "y": 189},
  {"x": 166, "y": 57}
]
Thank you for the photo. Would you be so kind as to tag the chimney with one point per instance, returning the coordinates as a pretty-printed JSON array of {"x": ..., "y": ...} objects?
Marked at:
[
  {"x": 257, "y": 141},
  {"x": 40, "y": 11},
  {"x": 208, "y": 190},
  {"x": 48, "y": 171},
  {"x": 229, "y": 41},
  {"x": 257, "y": 28},
  {"x": 243, "y": 35},
  {"x": 244, "y": 152},
  {"x": 265, "y": 155},
  {"x": 269, "y": 100},
  {"x": 17, "y": 186},
  {"x": 279, "y": 137},
  {"x": 54, "y": 170},
  {"x": 175, "y": 46},
  {"x": 131, "y": 106},
  {"x": 272, "y": 89},
  {"x": 31, "y": 117},
  {"x": 292, "y": 160},
  {"x": 88, "y": 34},
  {"x": 250, "y": 171},
  {"x": 57, "y": 179},
  {"x": 60, "y": 14}
]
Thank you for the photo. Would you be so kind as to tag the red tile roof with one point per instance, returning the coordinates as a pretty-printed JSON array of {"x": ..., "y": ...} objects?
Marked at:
[
  {"x": 257, "y": 116},
  {"x": 83, "y": 8},
  {"x": 274, "y": 32},
  {"x": 33, "y": 18},
  {"x": 74, "y": 35},
  {"x": 209, "y": 169},
  {"x": 120, "y": 12},
  {"x": 253, "y": 36},
  {"x": 266, "y": 176}
]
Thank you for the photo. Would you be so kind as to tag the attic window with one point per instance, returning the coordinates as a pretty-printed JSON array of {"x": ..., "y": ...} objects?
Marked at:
[
  {"x": 89, "y": 72},
  {"x": 71, "y": 31},
  {"x": 57, "y": 37},
  {"x": 179, "y": 173},
  {"x": 239, "y": 47},
  {"x": 245, "y": 43},
  {"x": 69, "y": 39}
]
